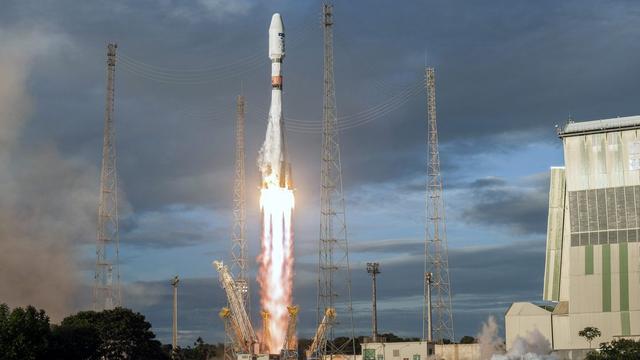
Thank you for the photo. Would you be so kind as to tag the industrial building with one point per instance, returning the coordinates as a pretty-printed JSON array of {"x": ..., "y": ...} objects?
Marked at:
[
  {"x": 419, "y": 350},
  {"x": 592, "y": 267}
]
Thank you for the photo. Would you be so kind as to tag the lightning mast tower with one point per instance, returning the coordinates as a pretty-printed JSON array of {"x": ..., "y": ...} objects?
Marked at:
[
  {"x": 436, "y": 272},
  {"x": 334, "y": 274},
  {"x": 238, "y": 240},
  {"x": 106, "y": 293}
]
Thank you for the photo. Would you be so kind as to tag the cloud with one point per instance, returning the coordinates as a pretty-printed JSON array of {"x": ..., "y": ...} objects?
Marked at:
[
  {"x": 520, "y": 205},
  {"x": 173, "y": 226},
  {"x": 203, "y": 10}
]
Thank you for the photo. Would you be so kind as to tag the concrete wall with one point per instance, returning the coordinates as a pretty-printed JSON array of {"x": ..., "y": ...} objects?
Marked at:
[
  {"x": 458, "y": 352},
  {"x": 418, "y": 351},
  {"x": 395, "y": 351},
  {"x": 524, "y": 318}
]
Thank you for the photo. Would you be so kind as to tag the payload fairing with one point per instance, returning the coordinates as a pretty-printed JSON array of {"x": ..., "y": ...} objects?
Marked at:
[{"x": 273, "y": 163}]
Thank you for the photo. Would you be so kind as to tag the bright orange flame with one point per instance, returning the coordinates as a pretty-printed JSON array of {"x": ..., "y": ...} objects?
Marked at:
[{"x": 275, "y": 275}]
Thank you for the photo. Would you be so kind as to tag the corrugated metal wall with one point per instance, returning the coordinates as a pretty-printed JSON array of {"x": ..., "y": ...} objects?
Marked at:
[
  {"x": 555, "y": 230},
  {"x": 603, "y": 195}
]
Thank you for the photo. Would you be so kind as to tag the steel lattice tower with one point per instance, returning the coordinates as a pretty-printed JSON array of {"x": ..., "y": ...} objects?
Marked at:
[
  {"x": 436, "y": 273},
  {"x": 106, "y": 293},
  {"x": 238, "y": 241},
  {"x": 334, "y": 274}
]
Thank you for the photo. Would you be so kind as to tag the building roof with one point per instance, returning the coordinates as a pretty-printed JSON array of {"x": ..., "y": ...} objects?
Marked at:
[
  {"x": 526, "y": 309},
  {"x": 562, "y": 308},
  {"x": 599, "y": 126}
]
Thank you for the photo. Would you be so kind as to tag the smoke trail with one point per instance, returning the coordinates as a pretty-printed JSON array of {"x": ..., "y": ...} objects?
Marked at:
[{"x": 46, "y": 202}]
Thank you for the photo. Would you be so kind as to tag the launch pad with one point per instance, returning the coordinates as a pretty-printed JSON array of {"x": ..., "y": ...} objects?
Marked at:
[
  {"x": 277, "y": 339},
  {"x": 247, "y": 344}
]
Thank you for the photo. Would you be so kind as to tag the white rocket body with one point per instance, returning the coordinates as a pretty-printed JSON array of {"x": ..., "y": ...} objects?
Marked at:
[{"x": 272, "y": 159}]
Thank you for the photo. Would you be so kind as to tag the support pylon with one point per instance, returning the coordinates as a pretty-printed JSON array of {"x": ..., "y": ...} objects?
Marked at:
[
  {"x": 334, "y": 273},
  {"x": 106, "y": 291},
  {"x": 436, "y": 266}
]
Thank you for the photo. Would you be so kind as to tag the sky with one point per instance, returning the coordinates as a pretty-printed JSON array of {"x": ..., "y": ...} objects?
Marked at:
[{"x": 507, "y": 72}]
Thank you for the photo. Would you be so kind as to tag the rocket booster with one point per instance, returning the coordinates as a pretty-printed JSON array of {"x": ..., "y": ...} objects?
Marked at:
[{"x": 273, "y": 160}]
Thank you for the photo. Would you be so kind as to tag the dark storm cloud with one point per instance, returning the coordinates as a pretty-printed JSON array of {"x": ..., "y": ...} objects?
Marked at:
[
  {"x": 173, "y": 227},
  {"x": 495, "y": 202},
  {"x": 531, "y": 68}
]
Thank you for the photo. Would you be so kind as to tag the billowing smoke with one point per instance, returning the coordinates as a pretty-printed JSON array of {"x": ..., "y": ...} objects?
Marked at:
[
  {"x": 532, "y": 347},
  {"x": 47, "y": 202},
  {"x": 490, "y": 342}
]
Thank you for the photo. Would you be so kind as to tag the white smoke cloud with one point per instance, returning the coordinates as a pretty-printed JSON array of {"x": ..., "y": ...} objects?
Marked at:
[
  {"x": 490, "y": 342},
  {"x": 532, "y": 347},
  {"x": 47, "y": 202}
]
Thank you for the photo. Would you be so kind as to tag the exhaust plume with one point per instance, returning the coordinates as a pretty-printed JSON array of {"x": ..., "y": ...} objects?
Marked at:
[{"x": 47, "y": 202}]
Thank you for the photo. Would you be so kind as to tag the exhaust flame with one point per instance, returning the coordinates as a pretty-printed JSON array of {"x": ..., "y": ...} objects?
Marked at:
[{"x": 275, "y": 274}]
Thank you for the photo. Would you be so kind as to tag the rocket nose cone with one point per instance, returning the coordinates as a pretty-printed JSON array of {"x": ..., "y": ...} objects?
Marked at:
[{"x": 276, "y": 23}]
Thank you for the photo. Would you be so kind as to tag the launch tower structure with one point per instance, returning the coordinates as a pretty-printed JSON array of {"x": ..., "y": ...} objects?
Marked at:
[
  {"x": 238, "y": 239},
  {"x": 106, "y": 290},
  {"x": 436, "y": 266},
  {"x": 334, "y": 274}
]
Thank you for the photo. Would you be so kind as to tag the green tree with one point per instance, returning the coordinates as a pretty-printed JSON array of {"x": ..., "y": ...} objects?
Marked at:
[
  {"x": 623, "y": 349},
  {"x": 121, "y": 334},
  {"x": 199, "y": 351},
  {"x": 24, "y": 333},
  {"x": 589, "y": 333},
  {"x": 74, "y": 340},
  {"x": 468, "y": 340}
]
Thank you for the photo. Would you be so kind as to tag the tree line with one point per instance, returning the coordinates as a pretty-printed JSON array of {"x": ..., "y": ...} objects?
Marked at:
[{"x": 27, "y": 334}]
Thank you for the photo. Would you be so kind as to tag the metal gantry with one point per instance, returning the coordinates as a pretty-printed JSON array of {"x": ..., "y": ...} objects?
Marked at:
[
  {"x": 436, "y": 271},
  {"x": 238, "y": 240},
  {"x": 244, "y": 334},
  {"x": 334, "y": 273},
  {"x": 106, "y": 290}
]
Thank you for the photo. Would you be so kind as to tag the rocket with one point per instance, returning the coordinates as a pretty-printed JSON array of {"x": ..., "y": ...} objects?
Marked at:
[{"x": 273, "y": 160}]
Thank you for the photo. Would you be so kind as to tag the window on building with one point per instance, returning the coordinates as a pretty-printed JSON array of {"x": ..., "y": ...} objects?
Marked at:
[
  {"x": 396, "y": 353},
  {"x": 369, "y": 354},
  {"x": 416, "y": 357}
]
